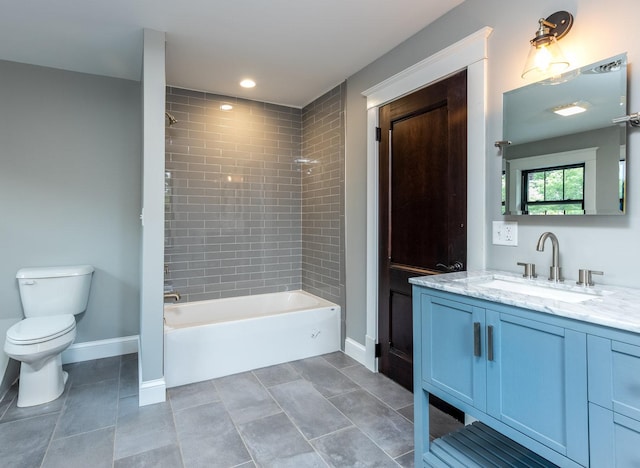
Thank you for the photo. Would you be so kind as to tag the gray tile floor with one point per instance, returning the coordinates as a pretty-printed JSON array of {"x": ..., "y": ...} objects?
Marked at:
[{"x": 317, "y": 412}]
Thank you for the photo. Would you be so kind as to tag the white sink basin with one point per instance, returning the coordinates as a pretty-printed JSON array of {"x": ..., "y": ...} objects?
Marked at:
[{"x": 538, "y": 290}]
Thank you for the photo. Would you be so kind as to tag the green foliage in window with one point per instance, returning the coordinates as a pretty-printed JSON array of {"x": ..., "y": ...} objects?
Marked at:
[
  {"x": 574, "y": 183},
  {"x": 557, "y": 190}
]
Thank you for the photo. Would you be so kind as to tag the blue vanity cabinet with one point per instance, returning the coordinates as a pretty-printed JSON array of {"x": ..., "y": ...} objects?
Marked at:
[
  {"x": 614, "y": 401},
  {"x": 537, "y": 380},
  {"x": 452, "y": 359},
  {"x": 614, "y": 439},
  {"x": 512, "y": 369}
]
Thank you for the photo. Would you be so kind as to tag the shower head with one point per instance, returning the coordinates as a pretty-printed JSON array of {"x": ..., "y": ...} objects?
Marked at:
[{"x": 172, "y": 119}]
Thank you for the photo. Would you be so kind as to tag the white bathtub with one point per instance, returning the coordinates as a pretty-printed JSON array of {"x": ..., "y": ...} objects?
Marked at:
[{"x": 208, "y": 339}]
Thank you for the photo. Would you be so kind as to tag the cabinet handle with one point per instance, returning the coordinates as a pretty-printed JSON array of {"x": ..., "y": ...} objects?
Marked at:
[
  {"x": 490, "y": 343},
  {"x": 477, "y": 349}
]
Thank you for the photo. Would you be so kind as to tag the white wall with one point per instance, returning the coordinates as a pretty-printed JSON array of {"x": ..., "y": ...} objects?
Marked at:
[{"x": 602, "y": 243}]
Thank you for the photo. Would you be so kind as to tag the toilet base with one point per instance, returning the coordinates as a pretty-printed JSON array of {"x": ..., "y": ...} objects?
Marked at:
[{"x": 41, "y": 383}]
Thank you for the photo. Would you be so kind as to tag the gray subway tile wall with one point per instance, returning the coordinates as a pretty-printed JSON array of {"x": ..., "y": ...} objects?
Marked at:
[
  {"x": 232, "y": 197},
  {"x": 323, "y": 259},
  {"x": 241, "y": 216}
]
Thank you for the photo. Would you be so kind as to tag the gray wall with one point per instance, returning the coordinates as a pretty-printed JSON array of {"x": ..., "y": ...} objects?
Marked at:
[
  {"x": 152, "y": 238},
  {"x": 70, "y": 173},
  {"x": 323, "y": 196},
  {"x": 232, "y": 212},
  {"x": 611, "y": 242}
]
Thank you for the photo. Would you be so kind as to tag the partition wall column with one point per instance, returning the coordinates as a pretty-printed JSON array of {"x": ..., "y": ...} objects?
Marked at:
[{"x": 152, "y": 384}]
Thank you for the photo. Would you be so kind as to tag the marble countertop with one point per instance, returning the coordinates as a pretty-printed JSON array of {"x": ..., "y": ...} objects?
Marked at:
[{"x": 611, "y": 306}]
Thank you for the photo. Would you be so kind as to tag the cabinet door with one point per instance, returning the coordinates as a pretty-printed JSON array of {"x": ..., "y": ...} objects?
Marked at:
[
  {"x": 452, "y": 356},
  {"x": 537, "y": 382},
  {"x": 614, "y": 370},
  {"x": 614, "y": 439}
]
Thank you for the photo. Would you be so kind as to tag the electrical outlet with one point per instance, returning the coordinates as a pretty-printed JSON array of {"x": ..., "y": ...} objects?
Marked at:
[{"x": 505, "y": 233}]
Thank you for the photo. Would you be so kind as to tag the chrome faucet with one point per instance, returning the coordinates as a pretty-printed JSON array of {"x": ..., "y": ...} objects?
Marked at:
[
  {"x": 175, "y": 295},
  {"x": 555, "y": 272}
]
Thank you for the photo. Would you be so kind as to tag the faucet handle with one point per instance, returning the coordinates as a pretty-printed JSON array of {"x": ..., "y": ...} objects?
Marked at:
[
  {"x": 529, "y": 270},
  {"x": 584, "y": 277}
]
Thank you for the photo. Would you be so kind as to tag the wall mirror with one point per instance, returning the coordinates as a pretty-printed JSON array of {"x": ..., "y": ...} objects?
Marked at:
[{"x": 564, "y": 154}]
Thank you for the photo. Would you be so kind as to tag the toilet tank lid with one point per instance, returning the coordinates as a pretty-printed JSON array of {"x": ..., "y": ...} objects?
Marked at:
[{"x": 54, "y": 272}]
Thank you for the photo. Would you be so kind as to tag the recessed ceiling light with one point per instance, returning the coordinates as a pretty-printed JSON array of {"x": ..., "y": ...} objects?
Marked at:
[
  {"x": 571, "y": 109},
  {"x": 226, "y": 107},
  {"x": 247, "y": 83}
]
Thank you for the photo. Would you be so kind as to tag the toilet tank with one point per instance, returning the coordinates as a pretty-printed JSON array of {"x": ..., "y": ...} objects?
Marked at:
[{"x": 54, "y": 290}]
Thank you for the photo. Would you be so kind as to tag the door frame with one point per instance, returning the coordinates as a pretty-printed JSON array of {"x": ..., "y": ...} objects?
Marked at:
[{"x": 469, "y": 53}]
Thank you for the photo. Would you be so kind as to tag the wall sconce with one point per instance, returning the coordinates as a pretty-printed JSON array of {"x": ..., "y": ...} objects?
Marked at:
[{"x": 545, "y": 57}]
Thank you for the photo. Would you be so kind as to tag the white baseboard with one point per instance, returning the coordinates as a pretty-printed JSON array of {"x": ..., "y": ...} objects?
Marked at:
[
  {"x": 355, "y": 350},
  {"x": 371, "y": 361},
  {"x": 100, "y": 349},
  {"x": 150, "y": 392},
  {"x": 365, "y": 355}
]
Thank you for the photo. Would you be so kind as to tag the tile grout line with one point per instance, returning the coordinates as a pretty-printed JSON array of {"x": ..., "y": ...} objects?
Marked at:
[
  {"x": 175, "y": 426},
  {"x": 379, "y": 398},
  {"x": 262, "y": 385},
  {"x": 8, "y": 403},
  {"x": 55, "y": 426},
  {"x": 361, "y": 387},
  {"x": 308, "y": 441},
  {"x": 354, "y": 424},
  {"x": 235, "y": 426},
  {"x": 115, "y": 425},
  {"x": 137, "y": 396}
]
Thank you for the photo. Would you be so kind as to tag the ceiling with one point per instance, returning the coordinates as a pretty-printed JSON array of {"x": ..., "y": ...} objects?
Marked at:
[{"x": 295, "y": 50}]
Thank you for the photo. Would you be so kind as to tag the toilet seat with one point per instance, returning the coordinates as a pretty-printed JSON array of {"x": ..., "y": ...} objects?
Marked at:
[{"x": 34, "y": 330}]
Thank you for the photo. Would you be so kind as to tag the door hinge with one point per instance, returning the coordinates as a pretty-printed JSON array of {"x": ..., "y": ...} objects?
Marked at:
[
  {"x": 378, "y": 351},
  {"x": 378, "y": 134}
]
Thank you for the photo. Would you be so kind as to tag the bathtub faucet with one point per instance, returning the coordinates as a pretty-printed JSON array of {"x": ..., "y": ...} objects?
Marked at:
[{"x": 172, "y": 295}]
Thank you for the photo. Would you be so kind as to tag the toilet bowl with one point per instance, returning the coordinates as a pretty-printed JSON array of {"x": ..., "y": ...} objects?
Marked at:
[
  {"x": 38, "y": 343},
  {"x": 51, "y": 297}
]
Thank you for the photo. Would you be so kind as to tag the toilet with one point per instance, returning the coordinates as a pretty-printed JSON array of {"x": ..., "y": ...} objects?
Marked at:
[{"x": 51, "y": 296}]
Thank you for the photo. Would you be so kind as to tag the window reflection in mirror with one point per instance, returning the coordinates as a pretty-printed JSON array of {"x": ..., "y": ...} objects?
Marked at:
[
  {"x": 554, "y": 190},
  {"x": 567, "y": 164}
]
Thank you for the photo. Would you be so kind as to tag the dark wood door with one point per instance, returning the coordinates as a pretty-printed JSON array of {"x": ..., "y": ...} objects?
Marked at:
[{"x": 423, "y": 207}]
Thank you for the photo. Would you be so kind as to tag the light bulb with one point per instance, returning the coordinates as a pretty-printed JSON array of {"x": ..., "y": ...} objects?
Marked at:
[{"x": 543, "y": 59}]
